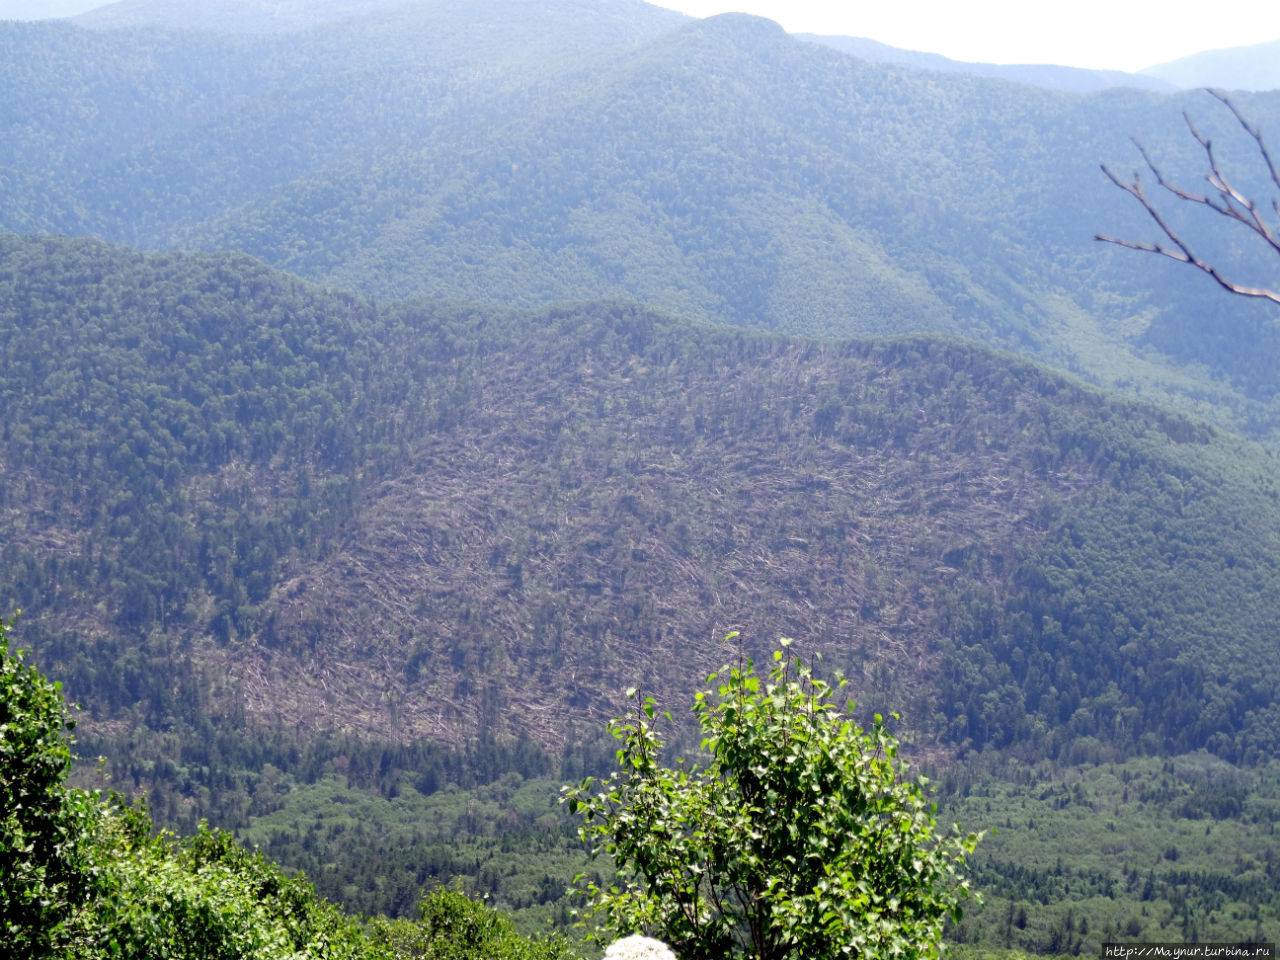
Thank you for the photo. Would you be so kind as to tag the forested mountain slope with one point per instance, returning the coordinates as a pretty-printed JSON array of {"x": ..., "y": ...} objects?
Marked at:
[
  {"x": 136, "y": 133},
  {"x": 527, "y": 152},
  {"x": 227, "y": 493},
  {"x": 230, "y": 16},
  {"x": 291, "y": 547},
  {"x": 483, "y": 27}
]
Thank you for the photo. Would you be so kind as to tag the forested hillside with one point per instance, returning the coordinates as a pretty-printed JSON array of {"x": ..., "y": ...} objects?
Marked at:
[
  {"x": 388, "y": 386},
  {"x": 718, "y": 169},
  {"x": 269, "y": 534},
  {"x": 434, "y": 522}
]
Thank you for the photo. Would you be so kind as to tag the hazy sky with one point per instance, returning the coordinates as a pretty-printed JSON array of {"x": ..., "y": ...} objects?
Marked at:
[
  {"x": 1103, "y": 34},
  {"x": 32, "y": 9}
]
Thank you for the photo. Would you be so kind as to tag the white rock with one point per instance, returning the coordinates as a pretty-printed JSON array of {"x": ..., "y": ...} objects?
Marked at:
[{"x": 637, "y": 947}]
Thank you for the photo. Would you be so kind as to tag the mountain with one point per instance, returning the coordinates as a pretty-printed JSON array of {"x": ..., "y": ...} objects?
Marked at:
[
  {"x": 1235, "y": 68},
  {"x": 227, "y": 493},
  {"x": 192, "y": 124},
  {"x": 258, "y": 17},
  {"x": 1050, "y": 76},
  {"x": 718, "y": 169},
  {"x": 358, "y": 579},
  {"x": 230, "y": 16},
  {"x": 364, "y": 573}
]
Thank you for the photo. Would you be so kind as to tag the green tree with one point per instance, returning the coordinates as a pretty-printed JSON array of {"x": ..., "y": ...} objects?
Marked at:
[
  {"x": 454, "y": 927},
  {"x": 206, "y": 897},
  {"x": 799, "y": 837},
  {"x": 46, "y": 853}
]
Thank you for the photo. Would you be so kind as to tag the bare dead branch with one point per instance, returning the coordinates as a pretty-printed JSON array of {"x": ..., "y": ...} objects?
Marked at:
[
  {"x": 1228, "y": 202},
  {"x": 1253, "y": 132}
]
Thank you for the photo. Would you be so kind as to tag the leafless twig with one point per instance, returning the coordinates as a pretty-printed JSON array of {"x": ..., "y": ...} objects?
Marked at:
[{"x": 1226, "y": 200}]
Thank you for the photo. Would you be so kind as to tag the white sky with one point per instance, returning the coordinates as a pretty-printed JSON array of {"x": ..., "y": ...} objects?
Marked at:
[{"x": 1101, "y": 34}]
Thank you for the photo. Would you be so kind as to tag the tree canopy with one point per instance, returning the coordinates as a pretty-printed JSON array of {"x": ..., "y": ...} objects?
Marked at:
[
  {"x": 799, "y": 837},
  {"x": 45, "y": 869}
]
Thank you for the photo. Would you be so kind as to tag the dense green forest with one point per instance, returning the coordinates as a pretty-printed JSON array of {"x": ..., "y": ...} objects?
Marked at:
[
  {"x": 1177, "y": 849},
  {"x": 1180, "y": 848}
]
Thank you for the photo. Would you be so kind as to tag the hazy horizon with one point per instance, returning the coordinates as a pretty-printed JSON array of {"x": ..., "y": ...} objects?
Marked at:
[{"x": 1136, "y": 36}]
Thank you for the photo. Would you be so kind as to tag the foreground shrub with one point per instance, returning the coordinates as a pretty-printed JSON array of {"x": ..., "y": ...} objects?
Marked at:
[
  {"x": 454, "y": 927},
  {"x": 47, "y": 869},
  {"x": 800, "y": 837}
]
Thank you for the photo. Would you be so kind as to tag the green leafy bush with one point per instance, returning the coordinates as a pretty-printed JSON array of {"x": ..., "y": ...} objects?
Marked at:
[
  {"x": 83, "y": 877},
  {"x": 454, "y": 927},
  {"x": 207, "y": 898},
  {"x": 46, "y": 868},
  {"x": 800, "y": 837}
]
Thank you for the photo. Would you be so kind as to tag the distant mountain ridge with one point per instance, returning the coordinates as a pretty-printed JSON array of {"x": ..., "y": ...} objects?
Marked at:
[
  {"x": 283, "y": 16},
  {"x": 1245, "y": 68},
  {"x": 1050, "y": 76},
  {"x": 232, "y": 16},
  {"x": 1254, "y": 67},
  {"x": 1239, "y": 68}
]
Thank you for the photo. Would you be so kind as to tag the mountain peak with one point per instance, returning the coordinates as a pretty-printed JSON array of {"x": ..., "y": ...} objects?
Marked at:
[{"x": 741, "y": 25}]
